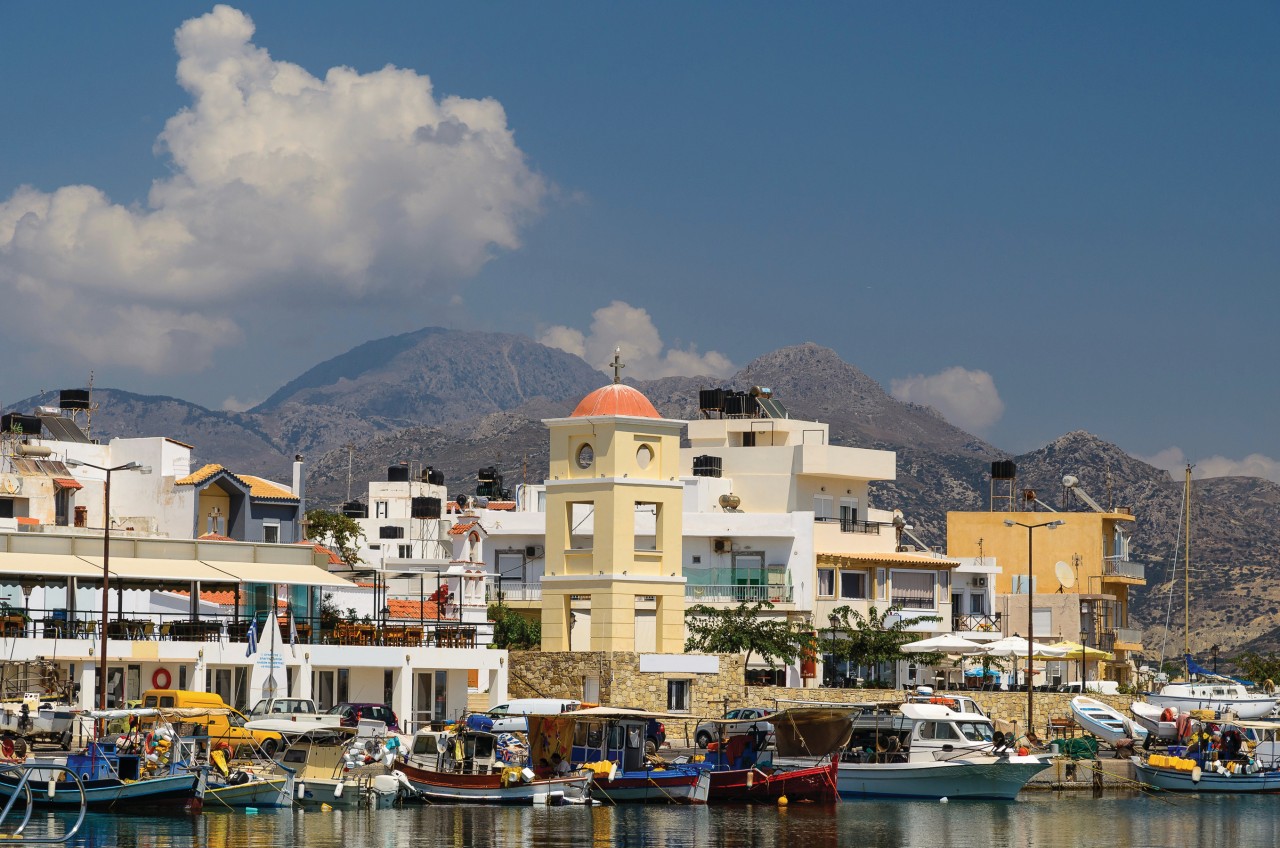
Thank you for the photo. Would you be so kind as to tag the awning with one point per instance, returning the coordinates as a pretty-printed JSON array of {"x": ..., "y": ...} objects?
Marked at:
[
  {"x": 161, "y": 571},
  {"x": 283, "y": 574},
  {"x": 44, "y": 567},
  {"x": 67, "y": 483},
  {"x": 887, "y": 558}
]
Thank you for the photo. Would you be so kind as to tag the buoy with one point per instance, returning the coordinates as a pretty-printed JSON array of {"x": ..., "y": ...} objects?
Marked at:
[
  {"x": 944, "y": 800},
  {"x": 1023, "y": 751},
  {"x": 782, "y": 801},
  {"x": 326, "y": 808}
]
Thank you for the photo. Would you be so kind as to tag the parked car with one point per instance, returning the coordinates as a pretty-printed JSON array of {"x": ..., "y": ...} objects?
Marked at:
[
  {"x": 351, "y": 714},
  {"x": 744, "y": 720}
]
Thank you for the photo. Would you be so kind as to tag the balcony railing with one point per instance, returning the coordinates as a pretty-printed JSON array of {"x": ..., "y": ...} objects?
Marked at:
[
  {"x": 1124, "y": 568},
  {"x": 736, "y": 594},
  {"x": 852, "y": 525},
  {"x": 1127, "y": 635},
  {"x": 976, "y": 623},
  {"x": 514, "y": 592}
]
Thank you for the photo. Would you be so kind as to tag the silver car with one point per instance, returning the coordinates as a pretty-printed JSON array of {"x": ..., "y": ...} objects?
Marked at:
[{"x": 743, "y": 720}]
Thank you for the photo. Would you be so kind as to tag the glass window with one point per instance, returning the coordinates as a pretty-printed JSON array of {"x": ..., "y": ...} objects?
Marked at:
[
  {"x": 271, "y": 533},
  {"x": 678, "y": 695},
  {"x": 945, "y": 731},
  {"x": 379, "y": 509},
  {"x": 826, "y": 582},
  {"x": 853, "y": 584},
  {"x": 913, "y": 590},
  {"x": 976, "y": 731},
  {"x": 823, "y": 508}
]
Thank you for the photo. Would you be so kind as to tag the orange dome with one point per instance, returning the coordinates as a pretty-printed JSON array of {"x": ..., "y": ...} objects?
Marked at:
[{"x": 615, "y": 399}]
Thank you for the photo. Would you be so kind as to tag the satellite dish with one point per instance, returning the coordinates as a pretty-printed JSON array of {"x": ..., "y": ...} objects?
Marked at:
[
  {"x": 1066, "y": 577},
  {"x": 899, "y": 520},
  {"x": 1070, "y": 482}
]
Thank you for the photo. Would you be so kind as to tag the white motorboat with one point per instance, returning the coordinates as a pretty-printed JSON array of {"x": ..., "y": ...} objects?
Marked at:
[
  {"x": 931, "y": 751},
  {"x": 1162, "y": 722},
  {"x": 1104, "y": 722},
  {"x": 1220, "y": 695}
]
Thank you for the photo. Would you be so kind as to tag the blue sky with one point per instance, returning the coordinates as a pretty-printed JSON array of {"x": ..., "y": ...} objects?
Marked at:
[{"x": 1035, "y": 218}]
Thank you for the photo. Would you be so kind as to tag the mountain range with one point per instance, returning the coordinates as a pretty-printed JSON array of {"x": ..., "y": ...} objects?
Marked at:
[{"x": 459, "y": 401}]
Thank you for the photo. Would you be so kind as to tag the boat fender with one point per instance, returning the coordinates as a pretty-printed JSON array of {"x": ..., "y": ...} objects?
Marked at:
[
  {"x": 51, "y": 789},
  {"x": 337, "y": 790},
  {"x": 1196, "y": 774},
  {"x": 302, "y": 790}
]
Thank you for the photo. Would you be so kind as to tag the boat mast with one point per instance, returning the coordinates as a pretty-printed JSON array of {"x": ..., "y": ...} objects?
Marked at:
[{"x": 1186, "y": 576}]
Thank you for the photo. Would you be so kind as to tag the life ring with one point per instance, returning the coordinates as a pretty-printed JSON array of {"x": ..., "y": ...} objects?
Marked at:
[
  {"x": 7, "y": 750},
  {"x": 1169, "y": 714},
  {"x": 161, "y": 679}
]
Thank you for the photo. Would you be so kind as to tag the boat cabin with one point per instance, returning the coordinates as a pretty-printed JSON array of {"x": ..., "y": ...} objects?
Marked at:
[
  {"x": 463, "y": 751},
  {"x": 918, "y": 733}
]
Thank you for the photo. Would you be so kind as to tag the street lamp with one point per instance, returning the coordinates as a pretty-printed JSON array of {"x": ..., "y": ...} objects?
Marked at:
[
  {"x": 1214, "y": 652},
  {"x": 834, "y": 621},
  {"x": 1008, "y": 522},
  {"x": 106, "y": 566}
]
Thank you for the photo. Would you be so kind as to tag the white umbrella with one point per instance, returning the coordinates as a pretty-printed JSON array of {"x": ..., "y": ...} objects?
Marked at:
[
  {"x": 947, "y": 643},
  {"x": 1016, "y": 646}
]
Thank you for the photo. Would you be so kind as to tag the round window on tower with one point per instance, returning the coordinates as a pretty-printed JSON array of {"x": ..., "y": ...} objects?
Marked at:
[
  {"x": 586, "y": 456},
  {"x": 644, "y": 456}
]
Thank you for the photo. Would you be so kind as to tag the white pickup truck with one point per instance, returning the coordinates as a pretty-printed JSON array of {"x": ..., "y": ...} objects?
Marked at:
[{"x": 301, "y": 711}]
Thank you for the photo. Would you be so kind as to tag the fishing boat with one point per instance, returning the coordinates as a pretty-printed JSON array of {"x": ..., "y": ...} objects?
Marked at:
[
  {"x": 37, "y": 716},
  {"x": 328, "y": 771},
  {"x": 115, "y": 781},
  {"x": 465, "y": 764},
  {"x": 931, "y": 751},
  {"x": 1104, "y": 722},
  {"x": 609, "y": 742},
  {"x": 1225, "y": 769},
  {"x": 740, "y": 774},
  {"x": 259, "y": 782}
]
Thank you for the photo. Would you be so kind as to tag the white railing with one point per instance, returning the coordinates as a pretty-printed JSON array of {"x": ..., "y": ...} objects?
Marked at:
[
  {"x": 735, "y": 594},
  {"x": 1124, "y": 568},
  {"x": 514, "y": 591}
]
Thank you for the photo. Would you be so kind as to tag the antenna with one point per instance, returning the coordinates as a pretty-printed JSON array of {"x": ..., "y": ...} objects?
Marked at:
[{"x": 351, "y": 453}]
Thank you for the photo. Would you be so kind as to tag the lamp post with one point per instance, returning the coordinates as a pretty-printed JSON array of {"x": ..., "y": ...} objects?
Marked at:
[
  {"x": 1030, "y": 611},
  {"x": 1214, "y": 653},
  {"x": 106, "y": 567},
  {"x": 834, "y": 621}
]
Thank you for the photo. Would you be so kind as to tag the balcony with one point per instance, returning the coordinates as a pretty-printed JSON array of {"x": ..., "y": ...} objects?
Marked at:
[
  {"x": 1123, "y": 571},
  {"x": 513, "y": 592},
  {"x": 853, "y": 525},
  {"x": 737, "y": 594},
  {"x": 976, "y": 623},
  {"x": 1126, "y": 639}
]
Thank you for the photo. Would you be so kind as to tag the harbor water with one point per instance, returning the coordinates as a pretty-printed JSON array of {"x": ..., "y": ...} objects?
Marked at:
[{"x": 1037, "y": 819}]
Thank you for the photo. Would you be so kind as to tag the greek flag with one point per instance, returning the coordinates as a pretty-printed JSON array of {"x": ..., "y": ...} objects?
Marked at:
[
  {"x": 293, "y": 632},
  {"x": 253, "y": 639}
]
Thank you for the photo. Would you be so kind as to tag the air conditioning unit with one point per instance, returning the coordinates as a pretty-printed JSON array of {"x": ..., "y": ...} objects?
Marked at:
[
  {"x": 979, "y": 582},
  {"x": 532, "y": 551},
  {"x": 723, "y": 546}
]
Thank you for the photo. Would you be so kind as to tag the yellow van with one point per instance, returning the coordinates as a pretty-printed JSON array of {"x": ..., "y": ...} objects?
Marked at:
[{"x": 229, "y": 727}]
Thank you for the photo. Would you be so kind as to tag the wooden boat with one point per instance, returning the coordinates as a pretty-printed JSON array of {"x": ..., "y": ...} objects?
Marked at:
[
  {"x": 739, "y": 774},
  {"x": 235, "y": 784},
  {"x": 325, "y": 773},
  {"x": 609, "y": 741},
  {"x": 1222, "y": 770},
  {"x": 465, "y": 765},
  {"x": 1102, "y": 721},
  {"x": 113, "y": 781},
  {"x": 931, "y": 751}
]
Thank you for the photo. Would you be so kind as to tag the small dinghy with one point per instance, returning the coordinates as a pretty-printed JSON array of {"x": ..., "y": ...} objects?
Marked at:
[
  {"x": 1104, "y": 722},
  {"x": 1162, "y": 721}
]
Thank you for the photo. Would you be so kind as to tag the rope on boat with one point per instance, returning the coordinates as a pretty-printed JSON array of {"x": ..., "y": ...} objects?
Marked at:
[{"x": 1144, "y": 788}]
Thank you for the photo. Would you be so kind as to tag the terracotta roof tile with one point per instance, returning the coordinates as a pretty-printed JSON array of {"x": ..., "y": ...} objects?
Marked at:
[
  {"x": 257, "y": 486},
  {"x": 407, "y": 610},
  {"x": 334, "y": 559},
  {"x": 30, "y": 522},
  {"x": 463, "y": 527},
  {"x": 502, "y": 505},
  {"x": 214, "y": 537},
  {"x": 199, "y": 475}
]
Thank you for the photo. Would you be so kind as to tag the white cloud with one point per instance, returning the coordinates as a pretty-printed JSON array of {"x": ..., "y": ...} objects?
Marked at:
[
  {"x": 234, "y": 404},
  {"x": 646, "y": 357},
  {"x": 284, "y": 186},
  {"x": 1174, "y": 461},
  {"x": 968, "y": 399}
]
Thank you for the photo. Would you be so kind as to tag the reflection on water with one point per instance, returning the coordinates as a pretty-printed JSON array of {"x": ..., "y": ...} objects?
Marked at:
[{"x": 1039, "y": 820}]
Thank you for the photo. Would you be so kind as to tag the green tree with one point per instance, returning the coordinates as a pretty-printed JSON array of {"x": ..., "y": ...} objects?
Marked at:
[
  {"x": 877, "y": 638},
  {"x": 338, "y": 531},
  {"x": 743, "y": 630},
  {"x": 512, "y": 631},
  {"x": 1257, "y": 667}
]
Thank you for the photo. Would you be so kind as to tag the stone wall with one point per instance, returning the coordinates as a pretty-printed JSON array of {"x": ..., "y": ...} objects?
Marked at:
[
  {"x": 563, "y": 674},
  {"x": 539, "y": 674}
]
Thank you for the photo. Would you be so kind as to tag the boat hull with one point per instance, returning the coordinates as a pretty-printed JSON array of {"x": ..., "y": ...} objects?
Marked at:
[
  {"x": 488, "y": 789},
  {"x": 1102, "y": 721},
  {"x": 171, "y": 793},
  {"x": 989, "y": 778},
  {"x": 1171, "y": 780},
  {"x": 266, "y": 792},
  {"x": 1246, "y": 709},
  {"x": 341, "y": 794},
  {"x": 817, "y": 784},
  {"x": 666, "y": 787}
]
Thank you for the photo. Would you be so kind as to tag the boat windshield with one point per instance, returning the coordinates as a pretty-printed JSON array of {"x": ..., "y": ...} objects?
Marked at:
[{"x": 976, "y": 731}]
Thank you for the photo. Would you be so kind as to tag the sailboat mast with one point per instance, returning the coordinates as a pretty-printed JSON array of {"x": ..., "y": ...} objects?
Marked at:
[{"x": 1186, "y": 573}]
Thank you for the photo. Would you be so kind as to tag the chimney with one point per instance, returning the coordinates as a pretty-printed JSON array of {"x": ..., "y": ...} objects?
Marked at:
[{"x": 299, "y": 489}]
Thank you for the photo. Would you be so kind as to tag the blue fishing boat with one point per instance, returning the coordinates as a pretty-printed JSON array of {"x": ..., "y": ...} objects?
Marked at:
[{"x": 113, "y": 781}]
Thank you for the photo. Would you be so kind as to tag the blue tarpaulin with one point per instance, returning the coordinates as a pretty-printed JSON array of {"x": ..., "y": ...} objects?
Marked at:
[
  {"x": 977, "y": 672},
  {"x": 1195, "y": 668}
]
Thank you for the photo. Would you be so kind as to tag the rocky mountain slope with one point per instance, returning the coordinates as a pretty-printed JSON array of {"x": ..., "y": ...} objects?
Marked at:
[{"x": 460, "y": 401}]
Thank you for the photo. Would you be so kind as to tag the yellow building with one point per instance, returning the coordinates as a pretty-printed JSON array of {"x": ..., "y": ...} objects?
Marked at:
[
  {"x": 613, "y": 527},
  {"x": 1085, "y": 599}
]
